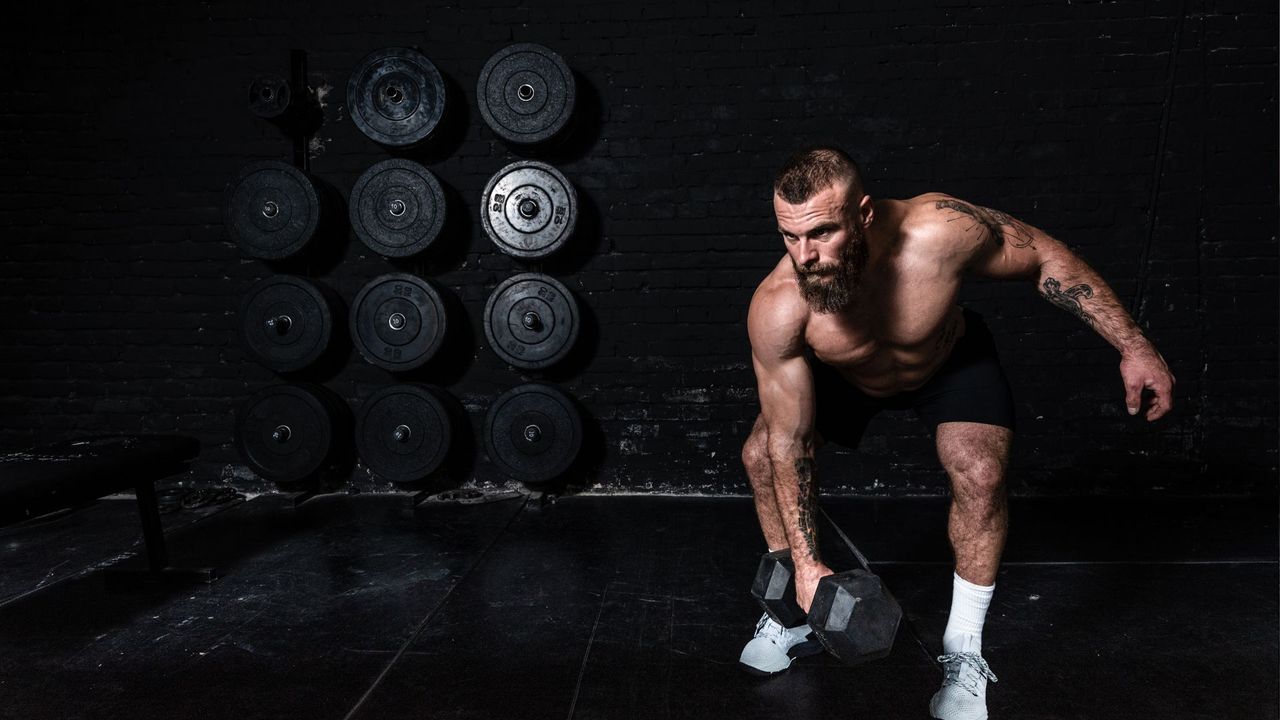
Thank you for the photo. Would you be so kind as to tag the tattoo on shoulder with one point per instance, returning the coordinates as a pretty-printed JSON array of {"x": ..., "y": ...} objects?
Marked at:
[
  {"x": 999, "y": 226},
  {"x": 807, "y": 504},
  {"x": 1069, "y": 299}
]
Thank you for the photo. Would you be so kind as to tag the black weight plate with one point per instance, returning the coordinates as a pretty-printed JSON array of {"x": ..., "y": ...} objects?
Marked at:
[
  {"x": 404, "y": 432},
  {"x": 526, "y": 93},
  {"x": 530, "y": 209},
  {"x": 269, "y": 96},
  {"x": 531, "y": 321},
  {"x": 398, "y": 321},
  {"x": 272, "y": 210},
  {"x": 285, "y": 433},
  {"x": 397, "y": 208},
  {"x": 533, "y": 432},
  {"x": 286, "y": 322},
  {"x": 396, "y": 96}
]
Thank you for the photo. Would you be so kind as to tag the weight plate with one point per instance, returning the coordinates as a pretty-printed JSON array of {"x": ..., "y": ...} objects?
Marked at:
[
  {"x": 531, "y": 321},
  {"x": 526, "y": 93},
  {"x": 285, "y": 433},
  {"x": 396, "y": 96},
  {"x": 286, "y": 323},
  {"x": 398, "y": 321},
  {"x": 533, "y": 432},
  {"x": 397, "y": 208},
  {"x": 269, "y": 96},
  {"x": 272, "y": 210},
  {"x": 530, "y": 209},
  {"x": 404, "y": 432}
]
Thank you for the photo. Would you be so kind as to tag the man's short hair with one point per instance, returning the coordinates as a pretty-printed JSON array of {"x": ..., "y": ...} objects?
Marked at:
[{"x": 814, "y": 169}]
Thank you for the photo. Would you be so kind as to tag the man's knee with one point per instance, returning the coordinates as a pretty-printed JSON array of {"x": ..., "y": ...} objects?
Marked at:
[
  {"x": 978, "y": 477},
  {"x": 976, "y": 458}
]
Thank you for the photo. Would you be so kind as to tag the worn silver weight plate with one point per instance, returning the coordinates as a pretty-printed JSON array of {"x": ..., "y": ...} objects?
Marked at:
[
  {"x": 286, "y": 322},
  {"x": 397, "y": 208},
  {"x": 530, "y": 209},
  {"x": 396, "y": 96},
  {"x": 404, "y": 432},
  {"x": 531, "y": 321},
  {"x": 398, "y": 321},
  {"x": 272, "y": 210},
  {"x": 269, "y": 96},
  {"x": 526, "y": 93},
  {"x": 533, "y": 433},
  {"x": 285, "y": 433}
]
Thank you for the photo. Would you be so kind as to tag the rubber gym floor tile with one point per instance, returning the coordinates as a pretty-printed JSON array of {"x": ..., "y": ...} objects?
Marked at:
[
  {"x": 312, "y": 603},
  {"x": 44, "y": 551},
  {"x": 620, "y": 607},
  {"x": 1122, "y": 641}
]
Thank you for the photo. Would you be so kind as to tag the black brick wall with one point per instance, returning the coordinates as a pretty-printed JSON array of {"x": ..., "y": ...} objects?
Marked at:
[{"x": 1141, "y": 133}]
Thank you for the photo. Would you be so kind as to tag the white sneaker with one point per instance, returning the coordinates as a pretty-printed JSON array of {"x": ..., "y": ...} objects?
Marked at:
[
  {"x": 964, "y": 688},
  {"x": 774, "y": 647}
]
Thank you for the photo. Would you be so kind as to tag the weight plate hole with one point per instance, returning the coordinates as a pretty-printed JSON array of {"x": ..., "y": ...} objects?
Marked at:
[
  {"x": 402, "y": 433},
  {"x": 528, "y": 208},
  {"x": 394, "y": 94},
  {"x": 281, "y": 434},
  {"x": 396, "y": 321},
  {"x": 281, "y": 324},
  {"x": 525, "y": 92},
  {"x": 270, "y": 209},
  {"x": 532, "y": 433}
]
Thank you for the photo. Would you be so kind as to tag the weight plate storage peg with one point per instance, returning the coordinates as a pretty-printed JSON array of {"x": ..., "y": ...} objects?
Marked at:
[
  {"x": 530, "y": 209},
  {"x": 272, "y": 210},
  {"x": 526, "y": 93},
  {"x": 398, "y": 321},
  {"x": 533, "y": 433},
  {"x": 404, "y": 432},
  {"x": 269, "y": 96},
  {"x": 397, "y": 208},
  {"x": 531, "y": 321},
  {"x": 286, "y": 433},
  {"x": 286, "y": 322},
  {"x": 396, "y": 97}
]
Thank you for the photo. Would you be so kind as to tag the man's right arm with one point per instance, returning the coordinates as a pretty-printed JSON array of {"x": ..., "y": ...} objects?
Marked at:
[{"x": 785, "y": 385}]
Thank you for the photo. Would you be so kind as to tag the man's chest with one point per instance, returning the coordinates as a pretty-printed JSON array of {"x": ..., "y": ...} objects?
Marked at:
[{"x": 899, "y": 309}]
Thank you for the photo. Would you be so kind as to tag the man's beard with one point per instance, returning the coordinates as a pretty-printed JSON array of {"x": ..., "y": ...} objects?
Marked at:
[{"x": 830, "y": 288}]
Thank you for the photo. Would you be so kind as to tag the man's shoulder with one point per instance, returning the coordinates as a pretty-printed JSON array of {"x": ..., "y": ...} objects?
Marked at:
[
  {"x": 778, "y": 312},
  {"x": 937, "y": 224}
]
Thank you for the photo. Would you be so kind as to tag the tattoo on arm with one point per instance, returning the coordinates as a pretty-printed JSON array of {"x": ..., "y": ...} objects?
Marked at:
[
  {"x": 998, "y": 225},
  {"x": 1069, "y": 299},
  {"x": 807, "y": 502}
]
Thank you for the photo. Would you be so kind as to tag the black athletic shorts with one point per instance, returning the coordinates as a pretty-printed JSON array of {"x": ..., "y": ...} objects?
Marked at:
[{"x": 969, "y": 387}]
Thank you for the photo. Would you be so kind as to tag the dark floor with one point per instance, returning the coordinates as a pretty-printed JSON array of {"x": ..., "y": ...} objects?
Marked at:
[{"x": 623, "y": 607}]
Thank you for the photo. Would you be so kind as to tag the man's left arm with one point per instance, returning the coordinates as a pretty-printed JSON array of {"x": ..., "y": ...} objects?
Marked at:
[{"x": 996, "y": 245}]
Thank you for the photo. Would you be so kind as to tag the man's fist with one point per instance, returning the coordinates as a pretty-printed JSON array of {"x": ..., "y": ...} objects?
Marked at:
[{"x": 1144, "y": 369}]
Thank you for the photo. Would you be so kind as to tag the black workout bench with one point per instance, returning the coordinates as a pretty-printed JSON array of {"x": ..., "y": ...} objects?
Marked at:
[{"x": 76, "y": 472}]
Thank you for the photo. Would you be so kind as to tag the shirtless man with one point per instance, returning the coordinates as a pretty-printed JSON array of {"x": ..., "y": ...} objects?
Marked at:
[{"x": 860, "y": 316}]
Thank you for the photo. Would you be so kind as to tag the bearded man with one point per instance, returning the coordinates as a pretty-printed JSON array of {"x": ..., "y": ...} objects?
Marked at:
[{"x": 861, "y": 316}]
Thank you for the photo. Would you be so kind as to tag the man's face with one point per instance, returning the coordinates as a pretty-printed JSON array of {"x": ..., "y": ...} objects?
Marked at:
[{"x": 827, "y": 247}]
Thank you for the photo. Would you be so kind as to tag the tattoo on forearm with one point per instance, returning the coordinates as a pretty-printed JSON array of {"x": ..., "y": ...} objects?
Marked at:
[
  {"x": 1069, "y": 299},
  {"x": 807, "y": 504},
  {"x": 998, "y": 225}
]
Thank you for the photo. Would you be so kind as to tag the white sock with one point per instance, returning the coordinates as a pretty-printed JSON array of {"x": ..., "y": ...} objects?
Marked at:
[{"x": 969, "y": 605}]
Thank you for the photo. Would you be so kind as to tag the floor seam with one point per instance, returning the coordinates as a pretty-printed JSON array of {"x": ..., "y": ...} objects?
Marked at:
[
  {"x": 586, "y": 655},
  {"x": 417, "y": 631}
]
